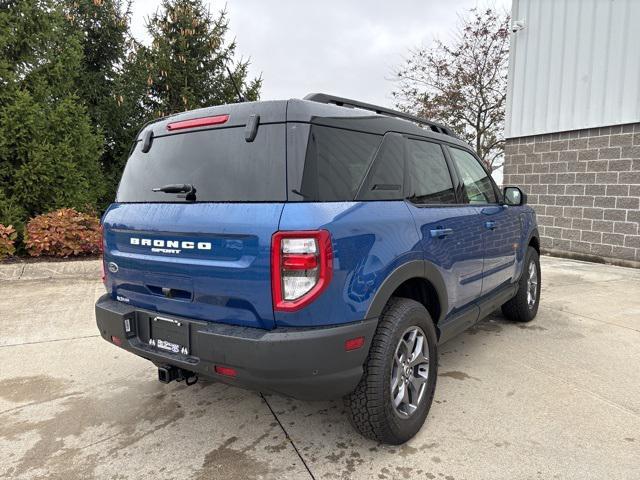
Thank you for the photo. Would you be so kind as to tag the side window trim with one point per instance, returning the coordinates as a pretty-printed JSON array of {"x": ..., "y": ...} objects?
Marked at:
[
  {"x": 491, "y": 180},
  {"x": 457, "y": 182}
]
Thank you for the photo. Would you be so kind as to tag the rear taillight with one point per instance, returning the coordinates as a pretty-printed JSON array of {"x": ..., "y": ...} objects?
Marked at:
[
  {"x": 103, "y": 273},
  {"x": 301, "y": 267}
]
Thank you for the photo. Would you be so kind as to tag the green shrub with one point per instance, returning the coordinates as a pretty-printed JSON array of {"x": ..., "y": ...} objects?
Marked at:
[
  {"x": 63, "y": 233},
  {"x": 7, "y": 239}
]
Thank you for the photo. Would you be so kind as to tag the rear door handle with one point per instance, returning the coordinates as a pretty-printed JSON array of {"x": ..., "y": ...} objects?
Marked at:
[
  {"x": 490, "y": 225},
  {"x": 441, "y": 232}
]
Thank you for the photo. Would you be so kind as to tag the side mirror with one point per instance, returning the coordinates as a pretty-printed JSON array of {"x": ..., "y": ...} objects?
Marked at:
[{"x": 513, "y": 196}]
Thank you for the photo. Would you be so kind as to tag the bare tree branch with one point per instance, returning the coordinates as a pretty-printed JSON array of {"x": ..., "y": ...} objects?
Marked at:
[{"x": 463, "y": 82}]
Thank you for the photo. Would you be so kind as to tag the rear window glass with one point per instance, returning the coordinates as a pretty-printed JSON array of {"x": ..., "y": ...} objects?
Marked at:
[
  {"x": 219, "y": 163},
  {"x": 335, "y": 162},
  {"x": 428, "y": 174}
]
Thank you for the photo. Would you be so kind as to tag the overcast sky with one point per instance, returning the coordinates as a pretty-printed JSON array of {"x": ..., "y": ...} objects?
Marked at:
[{"x": 347, "y": 48}]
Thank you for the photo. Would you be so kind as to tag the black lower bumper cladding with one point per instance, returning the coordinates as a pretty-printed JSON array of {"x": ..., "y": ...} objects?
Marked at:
[{"x": 306, "y": 363}]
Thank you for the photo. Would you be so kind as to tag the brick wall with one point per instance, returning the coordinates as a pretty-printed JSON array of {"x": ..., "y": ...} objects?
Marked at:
[{"x": 585, "y": 188}]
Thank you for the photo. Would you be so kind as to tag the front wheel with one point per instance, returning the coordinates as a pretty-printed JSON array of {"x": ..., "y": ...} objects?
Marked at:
[
  {"x": 392, "y": 400},
  {"x": 524, "y": 306}
]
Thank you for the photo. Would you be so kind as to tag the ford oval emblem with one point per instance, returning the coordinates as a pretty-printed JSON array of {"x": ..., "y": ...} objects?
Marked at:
[{"x": 113, "y": 267}]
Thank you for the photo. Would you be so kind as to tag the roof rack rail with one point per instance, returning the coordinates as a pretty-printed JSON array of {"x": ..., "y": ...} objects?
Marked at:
[{"x": 346, "y": 102}]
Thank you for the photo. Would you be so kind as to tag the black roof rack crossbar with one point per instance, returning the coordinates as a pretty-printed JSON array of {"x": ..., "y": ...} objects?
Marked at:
[{"x": 346, "y": 102}]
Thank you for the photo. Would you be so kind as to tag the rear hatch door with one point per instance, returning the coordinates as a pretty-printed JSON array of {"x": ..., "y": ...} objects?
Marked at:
[{"x": 205, "y": 255}]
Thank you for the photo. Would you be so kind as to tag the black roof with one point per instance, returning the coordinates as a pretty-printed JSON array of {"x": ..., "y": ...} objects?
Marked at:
[{"x": 321, "y": 109}]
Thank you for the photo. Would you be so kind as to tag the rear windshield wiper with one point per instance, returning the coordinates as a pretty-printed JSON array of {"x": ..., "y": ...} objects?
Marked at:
[{"x": 187, "y": 188}]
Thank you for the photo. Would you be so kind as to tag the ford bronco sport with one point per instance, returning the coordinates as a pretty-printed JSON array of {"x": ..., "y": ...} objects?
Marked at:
[{"x": 317, "y": 248}]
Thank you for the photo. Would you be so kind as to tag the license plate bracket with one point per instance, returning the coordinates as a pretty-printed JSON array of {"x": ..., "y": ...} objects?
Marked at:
[{"x": 169, "y": 335}]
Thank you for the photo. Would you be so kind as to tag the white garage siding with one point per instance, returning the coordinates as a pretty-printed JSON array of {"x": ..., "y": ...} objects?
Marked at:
[{"x": 575, "y": 65}]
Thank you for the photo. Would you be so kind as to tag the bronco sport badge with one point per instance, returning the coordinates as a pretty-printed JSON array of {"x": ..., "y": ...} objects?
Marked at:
[{"x": 169, "y": 246}]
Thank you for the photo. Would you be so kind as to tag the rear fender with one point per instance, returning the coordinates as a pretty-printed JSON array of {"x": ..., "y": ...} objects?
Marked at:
[{"x": 414, "y": 269}]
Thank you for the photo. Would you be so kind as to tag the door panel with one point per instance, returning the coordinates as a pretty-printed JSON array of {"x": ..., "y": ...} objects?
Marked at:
[
  {"x": 451, "y": 233},
  {"x": 500, "y": 227},
  {"x": 452, "y": 239},
  {"x": 501, "y": 236}
]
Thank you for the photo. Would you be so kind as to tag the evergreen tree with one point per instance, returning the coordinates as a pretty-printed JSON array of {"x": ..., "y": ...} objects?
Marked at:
[
  {"x": 132, "y": 112},
  {"x": 49, "y": 149},
  {"x": 104, "y": 38},
  {"x": 188, "y": 57},
  {"x": 106, "y": 85}
]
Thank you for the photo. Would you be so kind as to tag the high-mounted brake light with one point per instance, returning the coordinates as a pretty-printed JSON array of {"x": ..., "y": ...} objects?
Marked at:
[
  {"x": 198, "y": 122},
  {"x": 301, "y": 267}
]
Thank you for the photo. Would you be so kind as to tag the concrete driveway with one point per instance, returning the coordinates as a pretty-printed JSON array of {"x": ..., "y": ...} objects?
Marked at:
[{"x": 557, "y": 398}]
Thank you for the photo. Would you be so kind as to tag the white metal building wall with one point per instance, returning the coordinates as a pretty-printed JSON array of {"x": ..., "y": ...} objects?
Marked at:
[{"x": 575, "y": 64}]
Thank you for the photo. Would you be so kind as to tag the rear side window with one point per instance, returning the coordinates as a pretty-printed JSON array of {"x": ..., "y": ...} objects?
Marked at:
[
  {"x": 219, "y": 163},
  {"x": 429, "y": 179},
  {"x": 477, "y": 184},
  {"x": 335, "y": 162}
]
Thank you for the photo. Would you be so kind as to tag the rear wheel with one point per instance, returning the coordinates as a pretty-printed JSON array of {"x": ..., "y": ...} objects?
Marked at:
[
  {"x": 392, "y": 400},
  {"x": 524, "y": 306}
]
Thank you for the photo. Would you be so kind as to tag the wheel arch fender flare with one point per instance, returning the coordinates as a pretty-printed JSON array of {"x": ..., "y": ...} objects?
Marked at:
[
  {"x": 422, "y": 269},
  {"x": 534, "y": 235}
]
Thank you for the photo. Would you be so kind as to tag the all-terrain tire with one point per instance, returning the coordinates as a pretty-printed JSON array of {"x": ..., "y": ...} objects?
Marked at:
[
  {"x": 370, "y": 405},
  {"x": 519, "y": 309}
]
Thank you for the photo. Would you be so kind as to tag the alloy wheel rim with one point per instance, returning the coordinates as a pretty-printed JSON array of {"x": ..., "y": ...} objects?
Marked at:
[
  {"x": 410, "y": 372},
  {"x": 532, "y": 285}
]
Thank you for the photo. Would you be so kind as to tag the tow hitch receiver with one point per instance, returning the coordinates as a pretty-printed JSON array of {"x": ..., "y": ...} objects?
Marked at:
[{"x": 169, "y": 373}]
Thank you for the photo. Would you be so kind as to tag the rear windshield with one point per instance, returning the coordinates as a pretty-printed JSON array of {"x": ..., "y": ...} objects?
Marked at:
[{"x": 219, "y": 163}]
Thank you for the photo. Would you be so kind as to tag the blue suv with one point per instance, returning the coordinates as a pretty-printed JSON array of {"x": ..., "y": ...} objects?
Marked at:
[{"x": 317, "y": 248}]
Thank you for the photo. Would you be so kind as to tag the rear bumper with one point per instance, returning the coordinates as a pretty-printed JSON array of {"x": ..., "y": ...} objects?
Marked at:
[{"x": 303, "y": 363}]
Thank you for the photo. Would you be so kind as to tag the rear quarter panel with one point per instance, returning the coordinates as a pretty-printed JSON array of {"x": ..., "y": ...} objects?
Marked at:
[{"x": 370, "y": 240}]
